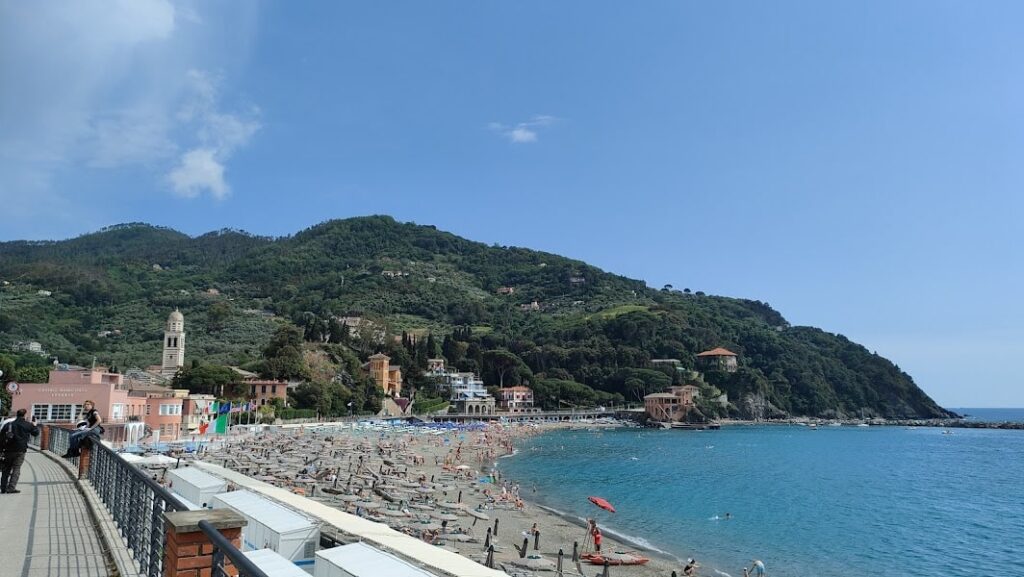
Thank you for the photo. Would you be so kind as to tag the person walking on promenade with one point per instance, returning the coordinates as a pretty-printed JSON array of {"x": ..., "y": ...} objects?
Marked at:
[
  {"x": 93, "y": 429},
  {"x": 14, "y": 436}
]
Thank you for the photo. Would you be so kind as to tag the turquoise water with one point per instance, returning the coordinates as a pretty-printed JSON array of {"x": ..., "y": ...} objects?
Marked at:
[{"x": 813, "y": 503}]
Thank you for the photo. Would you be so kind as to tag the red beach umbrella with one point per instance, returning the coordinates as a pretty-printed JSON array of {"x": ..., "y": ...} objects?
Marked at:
[{"x": 602, "y": 503}]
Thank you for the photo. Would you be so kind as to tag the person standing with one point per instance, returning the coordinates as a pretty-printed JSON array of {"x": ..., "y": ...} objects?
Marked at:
[
  {"x": 14, "y": 436},
  {"x": 93, "y": 429},
  {"x": 757, "y": 568}
]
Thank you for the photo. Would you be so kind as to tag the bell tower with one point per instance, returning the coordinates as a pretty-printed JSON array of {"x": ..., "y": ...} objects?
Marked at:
[{"x": 174, "y": 345}]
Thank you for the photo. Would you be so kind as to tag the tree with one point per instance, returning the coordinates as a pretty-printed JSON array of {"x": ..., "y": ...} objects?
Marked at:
[
  {"x": 218, "y": 315},
  {"x": 34, "y": 374},
  {"x": 215, "y": 380},
  {"x": 504, "y": 364},
  {"x": 283, "y": 356}
]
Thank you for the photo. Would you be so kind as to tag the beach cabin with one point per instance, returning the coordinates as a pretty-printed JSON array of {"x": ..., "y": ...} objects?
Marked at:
[
  {"x": 272, "y": 563},
  {"x": 195, "y": 486},
  {"x": 273, "y": 526},
  {"x": 362, "y": 560}
]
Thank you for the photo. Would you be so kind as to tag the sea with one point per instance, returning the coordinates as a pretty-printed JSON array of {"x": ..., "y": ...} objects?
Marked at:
[{"x": 831, "y": 501}]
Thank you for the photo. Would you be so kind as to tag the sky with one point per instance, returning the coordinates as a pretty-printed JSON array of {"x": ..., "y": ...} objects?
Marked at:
[{"x": 858, "y": 165}]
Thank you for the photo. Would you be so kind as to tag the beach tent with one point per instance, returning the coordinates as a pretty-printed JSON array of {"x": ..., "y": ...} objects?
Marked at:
[
  {"x": 195, "y": 485},
  {"x": 362, "y": 560},
  {"x": 274, "y": 526},
  {"x": 272, "y": 563},
  {"x": 157, "y": 461}
]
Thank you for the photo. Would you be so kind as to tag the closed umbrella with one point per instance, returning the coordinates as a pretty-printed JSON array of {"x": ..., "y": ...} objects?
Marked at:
[
  {"x": 478, "y": 514},
  {"x": 367, "y": 504}
]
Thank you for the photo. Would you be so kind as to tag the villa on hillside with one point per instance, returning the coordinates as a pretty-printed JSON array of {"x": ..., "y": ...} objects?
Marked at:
[
  {"x": 718, "y": 359},
  {"x": 518, "y": 399},
  {"x": 671, "y": 406},
  {"x": 465, "y": 390}
]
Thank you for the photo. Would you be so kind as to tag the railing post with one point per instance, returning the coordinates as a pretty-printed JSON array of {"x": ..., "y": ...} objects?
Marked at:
[
  {"x": 44, "y": 438},
  {"x": 85, "y": 457},
  {"x": 188, "y": 552}
]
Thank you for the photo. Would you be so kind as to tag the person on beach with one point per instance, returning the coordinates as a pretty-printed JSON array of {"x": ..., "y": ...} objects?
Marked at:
[
  {"x": 597, "y": 538},
  {"x": 691, "y": 567},
  {"x": 757, "y": 568}
]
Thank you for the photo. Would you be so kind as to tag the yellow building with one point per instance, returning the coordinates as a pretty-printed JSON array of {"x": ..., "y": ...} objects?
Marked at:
[{"x": 387, "y": 376}]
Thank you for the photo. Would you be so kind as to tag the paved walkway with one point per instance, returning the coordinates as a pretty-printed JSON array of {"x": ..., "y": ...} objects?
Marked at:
[{"x": 46, "y": 529}]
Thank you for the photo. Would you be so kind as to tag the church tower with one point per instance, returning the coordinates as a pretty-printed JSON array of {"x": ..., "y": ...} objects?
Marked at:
[{"x": 174, "y": 344}]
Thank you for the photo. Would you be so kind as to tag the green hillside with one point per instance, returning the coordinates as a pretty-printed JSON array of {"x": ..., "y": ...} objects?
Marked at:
[{"x": 591, "y": 341}]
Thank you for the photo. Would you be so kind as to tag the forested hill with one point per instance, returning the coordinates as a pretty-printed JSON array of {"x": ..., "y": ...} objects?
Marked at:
[{"x": 590, "y": 338}]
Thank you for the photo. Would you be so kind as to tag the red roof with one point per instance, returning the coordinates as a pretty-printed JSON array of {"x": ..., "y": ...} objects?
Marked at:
[{"x": 719, "y": 352}]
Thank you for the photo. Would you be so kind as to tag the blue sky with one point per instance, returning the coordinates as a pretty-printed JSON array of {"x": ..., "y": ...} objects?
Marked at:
[{"x": 857, "y": 164}]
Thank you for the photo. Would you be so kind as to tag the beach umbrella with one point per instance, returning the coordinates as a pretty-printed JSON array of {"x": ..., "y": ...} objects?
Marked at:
[
  {"x": 421, "y": 507},
  {"x": 425, "y": 490},
  {"x": 445, "y": 516},
  {"x": 534, "y": 563},
  {"x": 462, "y": 538},
  {"x": 347, "y": 498},
  {"x": 450, "y": 505},
  {"x": 463, "y": 467},
  {"x": 367, "y": 504},
  {"x": 602, "y": 503},
  {"x": 478, "y": 514}
]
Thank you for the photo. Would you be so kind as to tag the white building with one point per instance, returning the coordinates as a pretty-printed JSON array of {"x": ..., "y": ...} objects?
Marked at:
[{"x": 174, "y": 345}]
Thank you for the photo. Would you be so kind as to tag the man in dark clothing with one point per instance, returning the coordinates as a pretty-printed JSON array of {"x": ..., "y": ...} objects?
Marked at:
[{"x": 14, "y": 437}]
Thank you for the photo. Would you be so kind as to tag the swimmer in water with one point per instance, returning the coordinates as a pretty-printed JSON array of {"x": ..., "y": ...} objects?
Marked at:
[{"x": 728, "y": 516}]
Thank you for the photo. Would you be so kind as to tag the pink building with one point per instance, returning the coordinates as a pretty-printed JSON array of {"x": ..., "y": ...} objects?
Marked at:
[
  {"x": 264, "y": 392},
  {"x": 60, "y": 400},
  {"x": 516, "y": 399}
]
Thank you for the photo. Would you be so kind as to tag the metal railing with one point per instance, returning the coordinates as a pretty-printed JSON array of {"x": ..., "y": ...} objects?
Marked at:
[
  {"x": 137, "y": 504},
  {"x": 224, "y": 551}
]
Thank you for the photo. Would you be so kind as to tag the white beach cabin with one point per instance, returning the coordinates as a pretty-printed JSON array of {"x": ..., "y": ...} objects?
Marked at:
[
  {"x": 362, "y": 560},
  {"x": 273, "y": 564},
  {"x": 195, "y": 486},
  {"x": 273, "y": 526}
]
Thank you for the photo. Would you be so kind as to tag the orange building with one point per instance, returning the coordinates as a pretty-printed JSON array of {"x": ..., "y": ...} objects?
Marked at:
[
  {"x": 671, "y": 406},
  {"x": 263, "y": 392},
  {"x": 387, "y": 376},
  {"x": 718, "y": 359}
]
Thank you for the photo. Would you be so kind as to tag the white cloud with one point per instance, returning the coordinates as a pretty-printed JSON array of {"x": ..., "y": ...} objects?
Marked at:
[
  {"x": 218, "y": 135},
  {"x": 523, "y": 132},
  {"x": 199, "y": 170},
  {"x": 100, "y": 85}
]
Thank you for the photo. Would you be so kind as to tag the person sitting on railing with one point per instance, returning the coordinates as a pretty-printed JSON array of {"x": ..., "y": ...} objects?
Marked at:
[{"x": 93, "y": 431}]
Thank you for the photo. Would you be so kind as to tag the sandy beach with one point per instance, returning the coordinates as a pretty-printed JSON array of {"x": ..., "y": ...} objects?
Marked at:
[{"x": 437, "y": 485}]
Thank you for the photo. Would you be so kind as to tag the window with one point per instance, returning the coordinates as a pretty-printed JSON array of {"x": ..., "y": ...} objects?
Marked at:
[
  {"x": 147, "y": 409},
  {"x": 117, "y": 411},
  {"x": 168, "y": 410},
  {"x": 273, "y": 389},
  {"x": 41, "y": 412},
  {"x": 264, "y": 391},
  {"x": 58, "y": 413}
]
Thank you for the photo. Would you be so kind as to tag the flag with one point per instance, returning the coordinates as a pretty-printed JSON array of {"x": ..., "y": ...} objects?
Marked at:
[
  {"x": 224, "y": 409},
  {"x": 203, "y": 427}
]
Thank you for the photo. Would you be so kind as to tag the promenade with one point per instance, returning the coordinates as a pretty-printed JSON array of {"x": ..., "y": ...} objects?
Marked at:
[{"x": 46, "y": 529}]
